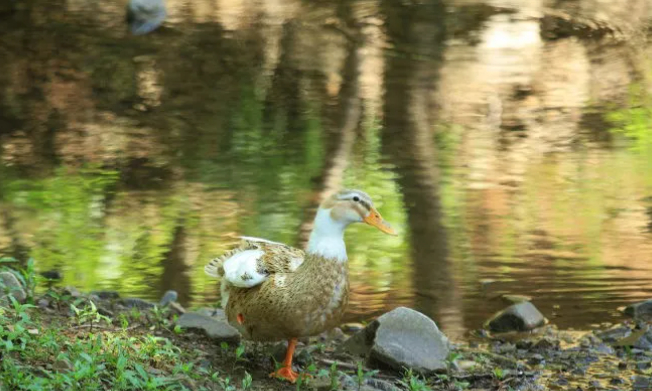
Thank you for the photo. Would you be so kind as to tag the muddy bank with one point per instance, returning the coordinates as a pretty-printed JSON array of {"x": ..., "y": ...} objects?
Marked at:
[{"x": 100, "y": 340}]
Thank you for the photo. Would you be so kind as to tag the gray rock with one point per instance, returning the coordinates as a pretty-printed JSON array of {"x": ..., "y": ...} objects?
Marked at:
[
  {"x": 145, "y": 16},
  {"x": 639, "y": 339},
  {"x": 216, "y": 313},
  {"x": 402, "y": 338},
  {"x": 43, "y": 303},
  {"x": 132, "y": 302},
  {"x": 71, "y": 291},
  {"x": 614, "y": 334},
  {"x": 169, "y": 297},
  {"x": 518, "y": 317},
  {"x": 214, "y": 328},
  {"x": 106, "y": 295},
  {"x": 605, "y": 349},
  {"x": 9, "y": 285},
  {"x": 642, "y": 383},
  {"x": 640, "y": 310},
  {"x": 177, "y": 308},
  {"x": 381, "y": 385}
]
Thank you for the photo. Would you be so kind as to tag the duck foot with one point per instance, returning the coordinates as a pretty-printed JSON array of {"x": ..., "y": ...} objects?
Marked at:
[{"x": 285, "y": 373}]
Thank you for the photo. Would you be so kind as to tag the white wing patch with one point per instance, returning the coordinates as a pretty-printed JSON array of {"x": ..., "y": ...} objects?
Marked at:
[{"x": 240, "y": 269}]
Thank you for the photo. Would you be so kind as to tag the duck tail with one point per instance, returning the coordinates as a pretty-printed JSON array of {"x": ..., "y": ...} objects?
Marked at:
[{"x": 215, "y": 268}]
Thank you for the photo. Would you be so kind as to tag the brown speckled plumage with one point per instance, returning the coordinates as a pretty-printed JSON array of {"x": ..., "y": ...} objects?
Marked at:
[
  {"x": 271, "y": 291},
  {"x": 304, "y": 295}
]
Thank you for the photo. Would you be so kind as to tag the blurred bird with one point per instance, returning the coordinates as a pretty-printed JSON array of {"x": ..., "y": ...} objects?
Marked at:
[{"x": 145, "y": 16}]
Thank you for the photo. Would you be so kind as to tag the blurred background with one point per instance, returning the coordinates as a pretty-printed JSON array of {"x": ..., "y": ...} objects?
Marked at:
[{"x": 510, "y": 143}]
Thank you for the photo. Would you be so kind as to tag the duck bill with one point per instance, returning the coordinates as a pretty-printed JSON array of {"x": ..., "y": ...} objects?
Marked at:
[{"x": 376, "y": 220}]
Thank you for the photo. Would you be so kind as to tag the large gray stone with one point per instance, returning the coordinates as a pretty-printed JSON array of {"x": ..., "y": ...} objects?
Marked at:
[
  {"x": 9, "y": 285},
  {"x": 518, "y": 317},
  {"x": 641, "y": 310},
  {"x": 402, "y": 338},
  {"x": 214, "y": 328}
]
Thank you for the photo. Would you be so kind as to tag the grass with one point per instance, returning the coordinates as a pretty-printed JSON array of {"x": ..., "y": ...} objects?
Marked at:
[
  {"x": 64, "y": 356},
  {"x": 75, "y": 347}
]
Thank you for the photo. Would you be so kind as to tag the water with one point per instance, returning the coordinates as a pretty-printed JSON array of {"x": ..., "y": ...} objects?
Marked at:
[{"x": 511, "y": 158}]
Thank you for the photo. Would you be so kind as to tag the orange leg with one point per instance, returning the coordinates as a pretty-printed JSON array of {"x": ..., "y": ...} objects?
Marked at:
[{"x": 286, "y": 372}]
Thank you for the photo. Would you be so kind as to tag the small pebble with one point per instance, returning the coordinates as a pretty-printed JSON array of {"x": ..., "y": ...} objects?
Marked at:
[
  {"x": 536, "y": 359},
  {"x": 562, "y": 381},
  {"x": 616, "y": 381},
  {"x": 43, "y": 303},
  {"x": 169, "y": 297},
  {"x": 106, "y": 295}
]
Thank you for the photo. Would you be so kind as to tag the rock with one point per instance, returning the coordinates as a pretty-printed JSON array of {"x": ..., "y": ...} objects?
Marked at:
[
  {"x": 643, "y": 365},
  {"x": 214, "y": 328},
  {"x": 381, "y": 385},
  {"x": 177, "y": 308},
  {"x": 43, "y": 303},
  {"x": 518, "y": 317},
  {"x": 616, "y": 381},
  {"x": 615, "y": 333},
  {"x": 216, "y": 313},
  {"x": 106, "y": 295},
  {"x": 9, "y": 285},
  {"x": 640, "y": 310},
  {"x": 595, "y": 384},
  {"x": 336, "y": 334},
  {"x": 132, "y": 302},
  {"x": 605, "y": 349},
  {"x": 71, "y": 291},
  {"x": 344, "y": 383},
  {"x": 640, "y": 339},
  {"x": 546, "y": 343},
  {"x": 402, "y": 338},
  {"x": 642, "y": 383},
  {"x": 169, "y": 297},
  {"x": 536, "y": 359}
]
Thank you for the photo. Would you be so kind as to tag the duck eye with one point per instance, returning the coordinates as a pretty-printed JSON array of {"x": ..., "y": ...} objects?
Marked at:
[{"x": 356, "y": 198}]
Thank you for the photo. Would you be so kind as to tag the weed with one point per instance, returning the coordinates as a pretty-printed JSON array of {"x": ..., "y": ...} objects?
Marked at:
[
  {"x": 335, "y": 377},
  {"x": 246, "y": 381},
  {"x": 89, "y": 314},
  {"x": 414, "y": 382},
  {"x": 362, "y": 375}
]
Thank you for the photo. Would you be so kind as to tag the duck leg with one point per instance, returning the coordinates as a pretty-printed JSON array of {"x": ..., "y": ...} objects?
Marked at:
[{"x": 286, "y": 372}]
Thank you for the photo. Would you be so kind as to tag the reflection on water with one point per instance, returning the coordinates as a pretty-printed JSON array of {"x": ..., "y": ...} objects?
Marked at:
[{"x": 512, "y": 156}]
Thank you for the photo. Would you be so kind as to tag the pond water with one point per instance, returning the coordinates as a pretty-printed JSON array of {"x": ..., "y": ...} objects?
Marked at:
[{"x": 512, "y": 156}]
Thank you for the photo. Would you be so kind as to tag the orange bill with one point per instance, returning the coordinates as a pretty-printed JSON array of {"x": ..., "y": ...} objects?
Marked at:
[{"x": 375, "y": 219}]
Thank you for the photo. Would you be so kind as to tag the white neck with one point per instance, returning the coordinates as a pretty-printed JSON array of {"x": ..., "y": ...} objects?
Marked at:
[{"x": 327, "y": 237}]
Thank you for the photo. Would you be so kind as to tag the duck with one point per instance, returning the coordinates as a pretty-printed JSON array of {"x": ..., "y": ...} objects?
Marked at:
[
  {"x": 145, "y": 16},
  {"x": 271, "y": 291}
]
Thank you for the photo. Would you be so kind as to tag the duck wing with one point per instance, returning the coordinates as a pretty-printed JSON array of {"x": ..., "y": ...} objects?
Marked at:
[{"x": 253, "y": 261}]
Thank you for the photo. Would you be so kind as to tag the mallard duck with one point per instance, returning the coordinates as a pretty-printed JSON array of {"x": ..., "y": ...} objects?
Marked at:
[{"x": 271, "y": 291}]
